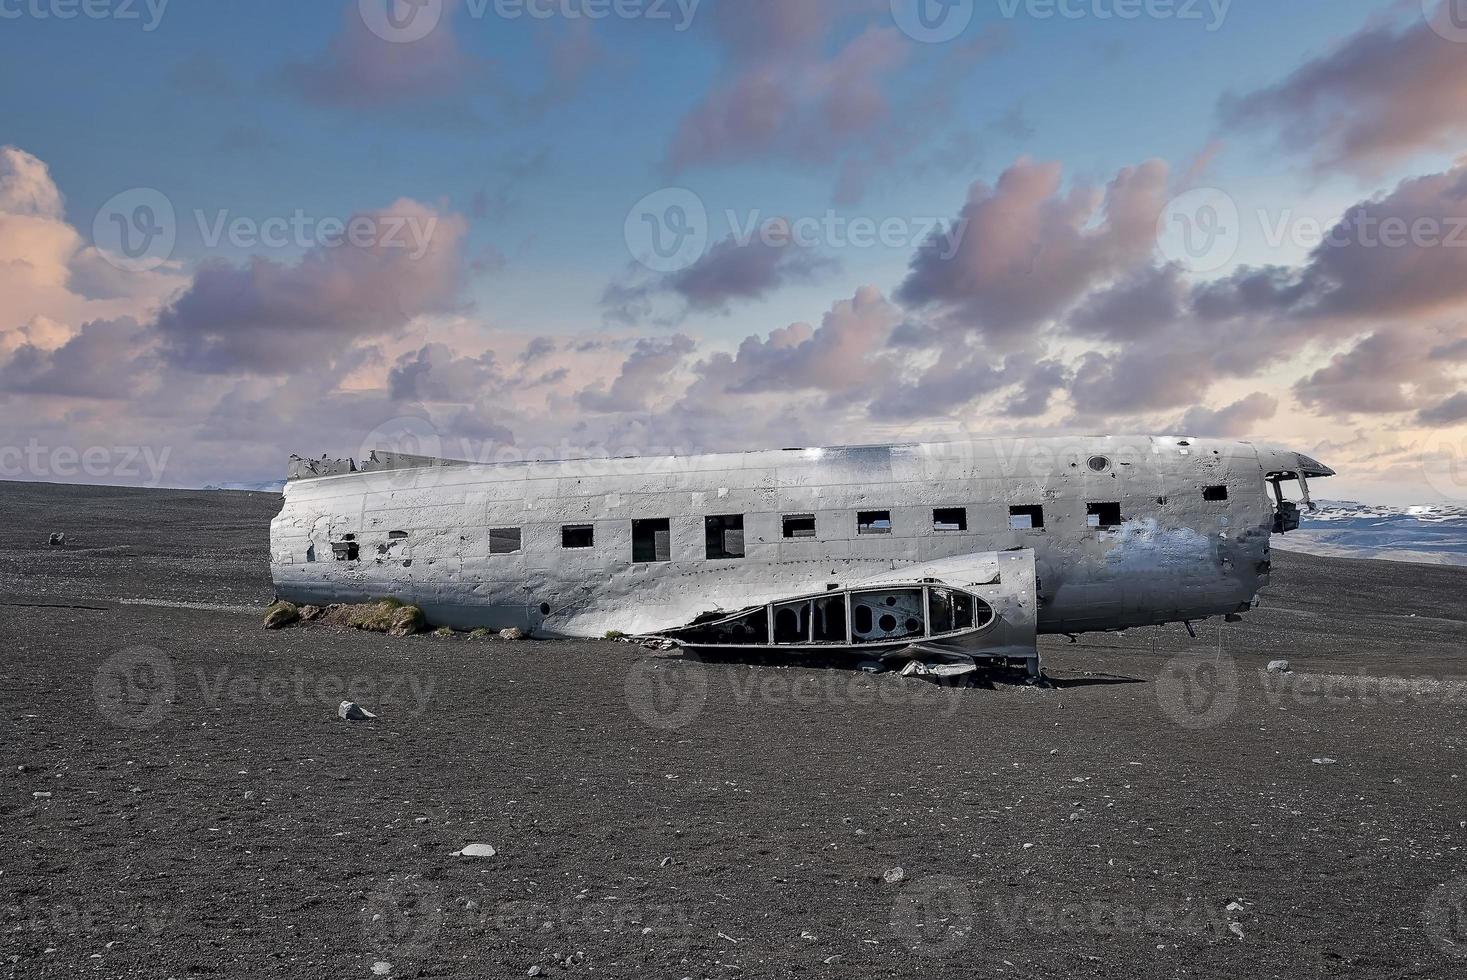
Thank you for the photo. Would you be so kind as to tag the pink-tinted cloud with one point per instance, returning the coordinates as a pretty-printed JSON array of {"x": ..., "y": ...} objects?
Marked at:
[
  {"x": 361, "y": 69},
  {"x": 839, "y": 355},
  {"x": 645, "y": 375},
  {"x": 1030, "y": 249},
  {"x": 270, "y": 317},
  {"x": 1386, "y": 93},
  {"x": 780, "y": 94}
]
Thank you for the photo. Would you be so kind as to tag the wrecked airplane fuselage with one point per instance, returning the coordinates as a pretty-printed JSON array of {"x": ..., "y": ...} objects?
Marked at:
[{"x": 971, "y": 547}]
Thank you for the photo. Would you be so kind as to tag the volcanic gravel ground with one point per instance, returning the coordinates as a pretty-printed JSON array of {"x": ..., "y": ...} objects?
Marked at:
[{"x": 1158, "y": 813}]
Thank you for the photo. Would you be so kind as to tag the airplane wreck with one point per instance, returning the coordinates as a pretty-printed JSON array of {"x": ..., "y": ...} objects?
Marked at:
[{"x": 935, "y": 554}]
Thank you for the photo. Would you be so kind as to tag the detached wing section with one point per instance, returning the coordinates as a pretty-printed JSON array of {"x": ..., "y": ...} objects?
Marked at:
[{"x": 980, "y": 605}]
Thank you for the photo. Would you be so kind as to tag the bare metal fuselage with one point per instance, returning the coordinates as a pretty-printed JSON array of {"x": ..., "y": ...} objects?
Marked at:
[{"x": 1136, "y": 531}]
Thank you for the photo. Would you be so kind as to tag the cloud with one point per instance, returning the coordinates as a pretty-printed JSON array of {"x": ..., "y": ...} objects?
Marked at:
[
  {"x": 1029, "y": 249},
  {"x": 435, "y": 373},
  {"x": 839, "y": 356},
  {"x": 362, "y": 70},
  {"x": 643, "y": 377},
  {"x": 47, "y": 270},
  {"x": 1385, "y": 372},
  {"x": 1386, "y": 93},
  {"x": 779, "y": 94},
  {"x": 731, "y": 270},
  {"x": 1241, "y": 418},
  {"x": 26, "y": 187},
  {"x": 1450, "y": 412},
  {"x": 271, "y": 318},
  {"x": 107, "y": 359}
]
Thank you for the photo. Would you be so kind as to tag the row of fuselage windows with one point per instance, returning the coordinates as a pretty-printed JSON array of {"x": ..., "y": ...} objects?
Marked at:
[{"x": 724, "y": 534}]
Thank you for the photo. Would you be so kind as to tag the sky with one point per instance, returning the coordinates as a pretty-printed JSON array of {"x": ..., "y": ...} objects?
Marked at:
[{"x": 505, "y": 229}]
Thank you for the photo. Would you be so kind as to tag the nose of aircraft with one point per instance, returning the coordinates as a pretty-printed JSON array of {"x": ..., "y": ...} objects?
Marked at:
[{"x": 1312, "y": 467}]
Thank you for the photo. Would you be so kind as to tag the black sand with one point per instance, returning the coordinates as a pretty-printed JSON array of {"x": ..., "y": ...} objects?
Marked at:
[{"x": 209, "y": 816}]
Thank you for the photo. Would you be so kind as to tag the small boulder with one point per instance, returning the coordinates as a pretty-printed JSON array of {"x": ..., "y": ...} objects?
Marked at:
[
  {"x": 351, "y": 711},
  {"x": 893, "y": 876},
  {"x": 281, "y": 615},
  {"x": 311, "y": 613},
  {"x": 57, "y": 540},
  {"x": 482, "y": 634},
  {"x": 1280, "y": 667},
  {"x": 477, "y": 851},
  {"x": 514, "y": 633},
  {"x": 445, "y": 632}
]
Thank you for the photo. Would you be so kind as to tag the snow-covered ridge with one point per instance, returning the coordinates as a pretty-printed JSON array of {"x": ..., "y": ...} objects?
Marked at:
[
  {"x": 1348, "y": 510},
  {"x": 1429, "y": 533}
]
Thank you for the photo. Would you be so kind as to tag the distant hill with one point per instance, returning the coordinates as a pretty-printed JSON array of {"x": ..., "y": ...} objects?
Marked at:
[
  {"x": 268, "y": 486},
  {"x": 1428, "y": 533}
]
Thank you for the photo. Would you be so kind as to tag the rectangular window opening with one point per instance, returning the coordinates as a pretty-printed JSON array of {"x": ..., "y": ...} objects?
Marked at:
[
  {"x": 1215, "y": 493},
  {"x": 578, "y": 536},
  {"x": 652, "y": 540},
  {"x": 950, "y": 519},
  {"x": 873, "y": 522},
  {"x": 504, "y": 540},
  {"x": 1103, "y": 515},
  {"x": 725, "y": 536},
  {"x": 799, "y": 525},
  {"x": 347, "y": 550},
  {"x": 1027, "y": 517}
]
